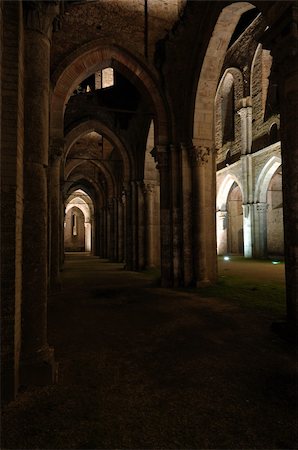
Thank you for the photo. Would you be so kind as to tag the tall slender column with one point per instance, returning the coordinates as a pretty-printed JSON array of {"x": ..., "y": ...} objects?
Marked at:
[
  {"x": 203, "y": 170},
  {"x": 245, "y": 113},
  {"x": 248, "y": 231},
  {"x": 176, "y": 212},
  {"x": 222, "y": 232},
  {"x": 134, "y": 224},
  {"x": 166, "y": 248},
  {"x": 120, "y": 229},
  {"x": 187, "y": 208},
  {"x": 109, "y": 233},
  {"x": 282, "y": 40},
  {"x": 37, "y": 358},
  {"x": 260, "y": 230},
  {"x": 141, "y": 233},
  {"x": 149, "y": 232},
  {"x": 128, "y": 228},
  {"x": 115, "y": 229},
  {"x": 55, "y": 233}
]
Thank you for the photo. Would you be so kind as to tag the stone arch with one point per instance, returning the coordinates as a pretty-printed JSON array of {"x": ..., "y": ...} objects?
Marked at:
[
  {"x": 224, "y": 190},
  {"x": 264, "y": 178},
  {"x": 231, "y": 76},
  {"x": 211, "y": 68},
  {"x": 95, "y": 125},
  {"x": 94, "y": 56}
]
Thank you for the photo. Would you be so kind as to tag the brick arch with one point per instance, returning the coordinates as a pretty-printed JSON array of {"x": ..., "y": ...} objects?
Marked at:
[
  {"x": 203, "y": 126},
  {"x": 95, "y": 125},
  {"x": 94, "y": 56}
]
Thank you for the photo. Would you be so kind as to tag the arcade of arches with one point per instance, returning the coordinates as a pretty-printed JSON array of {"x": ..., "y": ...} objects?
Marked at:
[{"x": 152, "y": 133}]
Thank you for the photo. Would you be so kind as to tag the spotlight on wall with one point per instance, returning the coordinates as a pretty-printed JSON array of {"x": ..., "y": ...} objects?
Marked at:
[{"x": 226, "y": 258}]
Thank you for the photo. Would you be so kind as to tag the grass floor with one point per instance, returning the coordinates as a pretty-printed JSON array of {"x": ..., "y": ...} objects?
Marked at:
[{"x": 141, "y": 367}]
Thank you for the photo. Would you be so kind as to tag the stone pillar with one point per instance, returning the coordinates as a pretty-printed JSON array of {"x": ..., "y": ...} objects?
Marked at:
[
  {"x": 88, "y": 239},
  {"x": 282, "y": 40},
  {"x": 115, "y": 229},
  {"x": 37, "y": 358},
  {"x": 260, "y": 230},
  {"x": 134, "y": 224},
  {"x": 55, "y": 232},
  {"x": 247, "y": 229},
  {"x": 128, "y": 228},
  {"x": 187, "y": 215},
  {"x": 248, "y": 226},
  {"x": 203, "y": 175},
  {"x": 166, "y": 248},
  {"x": 176, "y": 219},
  {"x": 222, "y": 232},
  {"x": 149, "y": 233},
  {"x": 245, "y": 113},
  {"x": 109, "y": 231},
  {"x": 120, "y": 229},
  {"x": 140, "y": 229}
]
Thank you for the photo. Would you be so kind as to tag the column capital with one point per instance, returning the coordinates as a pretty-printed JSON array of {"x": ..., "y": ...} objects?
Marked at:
[
  {"x": 199, "y": 155},
  {"x": 148, "y": 188},
  {"x": 261, "y": 207},
  {"x": 41, "y": 15}
]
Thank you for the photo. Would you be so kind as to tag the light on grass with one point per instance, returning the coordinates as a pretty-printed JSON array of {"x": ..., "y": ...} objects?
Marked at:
[
  {"x": 226, "y": 258},
  {"x": 275, "y": 262}
]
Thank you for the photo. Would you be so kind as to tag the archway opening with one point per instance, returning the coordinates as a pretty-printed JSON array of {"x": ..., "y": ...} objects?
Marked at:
[
  {"x": 78, "y": 222},
  {"x": 275, "y": 240}
]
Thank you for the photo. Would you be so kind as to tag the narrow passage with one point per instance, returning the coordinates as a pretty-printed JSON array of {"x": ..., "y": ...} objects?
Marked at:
[{"x": 145, "y": 367}]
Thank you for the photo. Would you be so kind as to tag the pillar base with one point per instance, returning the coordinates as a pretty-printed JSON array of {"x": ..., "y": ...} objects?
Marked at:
[
  {"x": 203, "y": 283},
  {"x": 40, "y": 369}
]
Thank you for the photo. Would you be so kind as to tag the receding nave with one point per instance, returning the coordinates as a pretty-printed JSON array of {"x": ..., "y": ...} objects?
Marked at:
[{"x": 141, "y": 366}]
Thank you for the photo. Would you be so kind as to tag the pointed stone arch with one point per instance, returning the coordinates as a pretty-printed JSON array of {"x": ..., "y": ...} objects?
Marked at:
[{"x": 94, "y": 56}]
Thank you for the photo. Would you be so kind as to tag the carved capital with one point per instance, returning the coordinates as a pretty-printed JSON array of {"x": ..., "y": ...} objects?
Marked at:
[
  {"x": 42, "y": 15},
  {"x": 200, "y": 155},
  {"x": 261, "y": 207},
  {"x": 148, "y": 188}
]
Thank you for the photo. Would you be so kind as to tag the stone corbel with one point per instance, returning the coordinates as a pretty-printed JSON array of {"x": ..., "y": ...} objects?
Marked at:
[
  {"x": 148, "y": 188},
  {"x": 161, "y": 157}
]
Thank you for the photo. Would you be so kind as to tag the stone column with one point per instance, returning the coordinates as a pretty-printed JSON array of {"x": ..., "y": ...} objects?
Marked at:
[
  {"x": 128, "y": 228},
  {"x": 245, "y": 113},
  {"x": 37, "y": 358},
  {"x": 203, "y": 171},
  {"x": 134, "y": 224},
  {"x": 187, "y": 215},
  {"x": 88, "y": 239},
  {"x": 109, "y": 232},
  {"x": 247, "y": 229},
  {"x": 55, "y": 234},
  {"x": 166, "y": 247},
  {"x": 282, "y": 40},
  {"x": 140, "y": 226},
  {"x": 149, "y": 232},
  {"x": 115, "y": 229},
  {"x": 176, "y": 213},
  {"x": 222, "y": 232},
  {"x": 260, "y": 230},
  {"x": 120, "y": 229}
]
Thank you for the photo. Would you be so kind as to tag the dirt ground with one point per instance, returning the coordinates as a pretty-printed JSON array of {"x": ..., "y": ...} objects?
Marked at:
[{"x": 142, "y": 367}]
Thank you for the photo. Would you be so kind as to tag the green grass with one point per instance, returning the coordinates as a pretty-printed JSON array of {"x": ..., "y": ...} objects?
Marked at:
[{"x": 262, "y": 296}]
